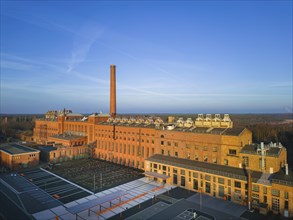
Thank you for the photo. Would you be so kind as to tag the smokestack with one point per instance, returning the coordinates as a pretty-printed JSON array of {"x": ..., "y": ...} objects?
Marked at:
[{"x": 112, "y": 90}]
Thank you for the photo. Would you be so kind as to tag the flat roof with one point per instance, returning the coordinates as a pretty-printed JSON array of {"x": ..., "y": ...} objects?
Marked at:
[
  {"x": 217, "y": 169},
  {"x": 47, "y": 148},
  {"x": 202, "y": 130},
  {"x": 67, "y": 137},
  {"x": 283, "y": 179},
  {"x": 13, "y": 148},
  {"x": 252, "y": 149}
]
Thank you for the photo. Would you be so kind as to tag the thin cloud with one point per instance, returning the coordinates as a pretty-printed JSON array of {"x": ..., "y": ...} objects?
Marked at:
[
  {"x": 6, "y": 64},
  {"x": 82, "y": 44}
]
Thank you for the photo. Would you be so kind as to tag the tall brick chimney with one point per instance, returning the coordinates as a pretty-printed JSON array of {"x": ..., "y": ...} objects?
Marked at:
[{"x": 112, "y": 90}]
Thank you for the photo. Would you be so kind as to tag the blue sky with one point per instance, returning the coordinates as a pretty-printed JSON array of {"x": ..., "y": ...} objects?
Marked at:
[{"x": 171, "y": 57}]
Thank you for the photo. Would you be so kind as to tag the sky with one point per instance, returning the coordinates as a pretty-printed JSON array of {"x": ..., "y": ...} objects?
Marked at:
[{"x": 170, "y": 56}]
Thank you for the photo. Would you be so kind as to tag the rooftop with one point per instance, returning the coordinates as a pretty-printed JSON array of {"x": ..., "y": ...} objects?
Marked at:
[
  {"x": 253, "y": 149},
  {"x": 204, "y": 130},
  {"x": 13, "y": 148},
  {"x": 221, "y": 170},
  {"x": 283, "y": 179},
  {"x": 47, "y": 148},
  {"x": 67, "y": 137}
]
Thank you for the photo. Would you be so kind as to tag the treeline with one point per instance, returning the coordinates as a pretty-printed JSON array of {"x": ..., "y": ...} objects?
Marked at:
[
  {"x": 12, "y": 125},
  {"x": 272, "y": 132},
  {"x": 282, "y": 133}
]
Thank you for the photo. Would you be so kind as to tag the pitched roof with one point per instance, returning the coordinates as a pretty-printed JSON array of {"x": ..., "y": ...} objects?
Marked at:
[
  {"x": 217, "y": 169},
  {"x": 283, "y": 179}
]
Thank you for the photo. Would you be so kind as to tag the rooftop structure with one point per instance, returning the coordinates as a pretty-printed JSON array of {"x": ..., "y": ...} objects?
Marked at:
[{"x": 202, "y": 153}]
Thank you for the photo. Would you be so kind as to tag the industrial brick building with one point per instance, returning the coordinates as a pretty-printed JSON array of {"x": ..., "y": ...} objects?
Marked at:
[
  {"x": 16, "y": 156},
  {"x": 205, "y": 154}
]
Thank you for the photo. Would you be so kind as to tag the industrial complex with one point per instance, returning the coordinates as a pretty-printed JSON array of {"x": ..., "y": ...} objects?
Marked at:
[{"x": 205, "y": 154}]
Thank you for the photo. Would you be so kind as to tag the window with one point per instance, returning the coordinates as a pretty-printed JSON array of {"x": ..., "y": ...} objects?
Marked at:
[
  {"x": 221, "y": 191},
  {"x": 286, "y": 205},
  {"x": 226, "y": 162},
  {"x": 286, "y": 195},
  {"x": 175, "y": 179},
  {"x": 275, "y": 205},
  {"x": 232, "y": 152},
  {"x": 208, "y": 187},
  {"x": 182, "y": 180},
  {"x": 176, "y": 144},
  {"x": 195, "y": 157},
  {"x": 215, "y": 149},
  {"x": 162, "y": 142},
  {"x": 182, "y": 172},
  {"x": 264, "y": 190},
  {"x": 237, "y": 184},
  {"x": 255, "y": 188},
  {"x": 207, "y": 177},
  {"x": 205, "y": 148},
  {"x": 195, "y": 147},
  {"x": 195, "y": 184},
  {"x": 169, "y": 143},
  {"x": 163, "y": 152},
  {"x": 255, "y": 198},
  {"x": 275, "y": 192},
  {"x": 195, "y": 175},
  {"x": 176, "y": 154},
  {"x": 246, "y": 161},
  {"x": 205, "y": 158},
  {"x": 262, "y": 165},
  {"x": 221, "y": 180},
  {"x": 188, "y": 156}
]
